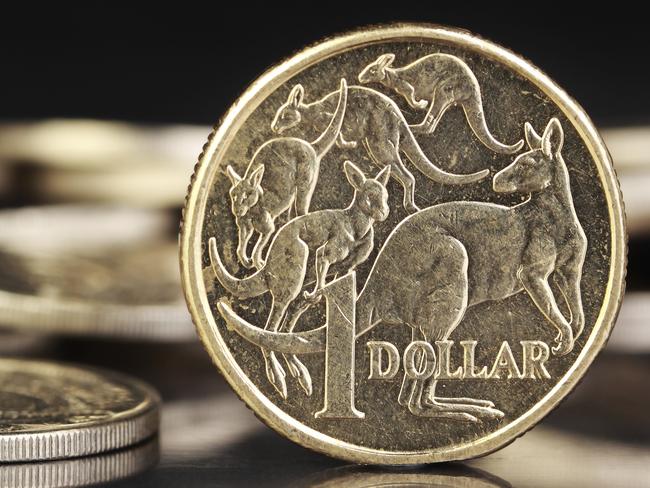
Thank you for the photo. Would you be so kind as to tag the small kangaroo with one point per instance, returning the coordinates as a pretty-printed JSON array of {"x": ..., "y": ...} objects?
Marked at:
[
  {"x": 448, "y": 257},
  {"x": 282, "y": 173},
  {"x": 342, "y": 236},
  {"x": 377, "y": 122},
  {"x": 446, "y": 81}
]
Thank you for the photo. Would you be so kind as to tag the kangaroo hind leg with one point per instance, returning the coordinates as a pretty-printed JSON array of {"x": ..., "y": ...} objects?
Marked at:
[
  {"x": 284, "y": 290},
  {"x": 274, "y": 370},
  {"x": 443, "y": 98},
  {"x": 296, "y": 367}
]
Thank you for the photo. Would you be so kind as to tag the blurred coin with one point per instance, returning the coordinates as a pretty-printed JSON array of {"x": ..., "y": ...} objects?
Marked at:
[
  {"x": 21, "y": 344},
  {"x": 82, "y": 471},
  {"x": 52, "y": 411},
  {"x": 91, "y": 271},
  {"x": 96, "y": 161},
  {"x": 632, "y": 335}
]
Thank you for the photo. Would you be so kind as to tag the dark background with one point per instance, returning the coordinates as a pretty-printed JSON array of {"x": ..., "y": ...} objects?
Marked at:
[{"x": 187, "y": 62}]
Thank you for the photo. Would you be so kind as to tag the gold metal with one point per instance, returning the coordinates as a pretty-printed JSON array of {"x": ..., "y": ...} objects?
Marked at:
[
  {"x": 55, "y": 411},
  {"x": 404, "y": 244},
  {"x": 91, "y": 270}
]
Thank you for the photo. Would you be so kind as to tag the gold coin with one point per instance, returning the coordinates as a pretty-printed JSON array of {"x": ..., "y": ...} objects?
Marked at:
[
  {"x": 91, "y": 270},
  {"x": 405, "y": 244},
  {"x": 83, "y": 471},
  {"x": 53, "y": 411},
  {"x": 98, "y": 161}
]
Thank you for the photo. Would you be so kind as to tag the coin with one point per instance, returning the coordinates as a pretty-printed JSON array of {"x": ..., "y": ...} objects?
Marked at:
[
  {"x": 92, "y": 271},
  {"x": 52, "y": 411},
  {"x": 83, "y": 471},
  {"x": 99, "y": 161},
  {"x": 405, "y": 244}
]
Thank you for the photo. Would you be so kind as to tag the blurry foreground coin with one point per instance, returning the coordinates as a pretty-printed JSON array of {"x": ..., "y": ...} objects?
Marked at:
[
  {"x": 91, "y": 270},
  {"x": 84, "y": 471},
  {"x": 404, "y": 245},
  {"x": 53, "y": 411}
]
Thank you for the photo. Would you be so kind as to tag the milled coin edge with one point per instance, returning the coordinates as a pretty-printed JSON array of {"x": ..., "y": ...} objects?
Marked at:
[{"x": 124, "y": 429}]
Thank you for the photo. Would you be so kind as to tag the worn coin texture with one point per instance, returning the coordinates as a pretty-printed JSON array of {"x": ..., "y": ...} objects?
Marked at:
[
  {"x": 52, "y": 411},
  {"x": 404, "y": 245},
  {"x": 91, "y": 270}
]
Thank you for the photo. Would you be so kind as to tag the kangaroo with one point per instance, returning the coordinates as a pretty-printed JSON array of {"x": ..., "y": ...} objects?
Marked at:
[
  {"x": 440, "y": 261},
  {"x": 446, "y": 81},
  {"x": 342, "y": 236},
  {"x": 282, "y": 173},
  {"x": 377, "y": 122}
]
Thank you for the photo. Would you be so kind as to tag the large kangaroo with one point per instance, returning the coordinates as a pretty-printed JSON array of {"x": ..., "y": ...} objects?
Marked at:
[
  {"x": 377, "y": 122},
  {"x": 282, "y": 173},
  {"x": 439, "y": 81},
  {"x": 343, "y": 236},
  {"x": 440, "y": 261}
]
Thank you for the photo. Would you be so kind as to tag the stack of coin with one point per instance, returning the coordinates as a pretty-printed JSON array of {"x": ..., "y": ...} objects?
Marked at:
[
  {"x": 51, "y": 411},
  {"x": 95, "y": 161},
  {"x": 91, "y": 270}
]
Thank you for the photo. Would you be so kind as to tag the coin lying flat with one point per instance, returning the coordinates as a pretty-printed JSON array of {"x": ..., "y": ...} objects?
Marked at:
[
  {"x": 99, "y": 161},
  {"x": 91, "y": 270},
  {"x": 403, "y": 245},
  {"x": 84, "y": 471},
  {"x": 53, "y": 411}
]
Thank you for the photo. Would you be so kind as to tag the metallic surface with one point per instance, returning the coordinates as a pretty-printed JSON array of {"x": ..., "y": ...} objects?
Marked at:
[
  {"x": 84, "y": 471},
  {"x": 106, "y": 271},
  {"x": 55, "y": 411},
  {"x": 581, "y": 245}
]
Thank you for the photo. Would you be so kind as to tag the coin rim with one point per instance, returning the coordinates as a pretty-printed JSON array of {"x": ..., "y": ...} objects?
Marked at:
[
  {"x": 192, "y": 248},
  {"x": 123, "y": 429}
]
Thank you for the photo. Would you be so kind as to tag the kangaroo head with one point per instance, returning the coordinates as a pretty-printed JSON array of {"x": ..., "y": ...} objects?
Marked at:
[
  {"x": 370, "y": 194},
  {"x": 288, "y": 115},
  {"x": 535, "y": 169},
  {"x": 376, "y": 71},
  {"x": 244, "y": 192}
]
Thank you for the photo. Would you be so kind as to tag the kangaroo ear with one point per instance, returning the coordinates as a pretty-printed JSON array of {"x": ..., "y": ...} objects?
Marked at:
[
  {"x": 385, "y": 60},
  {"x": 553, "y": 138},
  {"x": 232, "y": 174},
  {"x": 296, "y": 95},
  {"x": 383, "y": 175},
  {"x": 256, "y": 176},
  {"x": 354, "y": 174},
  {"x": 532, "y": 138}
]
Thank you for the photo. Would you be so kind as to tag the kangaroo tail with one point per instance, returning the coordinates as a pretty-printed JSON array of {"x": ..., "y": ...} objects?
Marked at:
[
  {"x": 249, "y": 287},
  {"x": 473, "y": 108},
  {"x": 308, "y": 342},
  {"x": 328, "y": 137},
  {"x": 411, "y": 148}
]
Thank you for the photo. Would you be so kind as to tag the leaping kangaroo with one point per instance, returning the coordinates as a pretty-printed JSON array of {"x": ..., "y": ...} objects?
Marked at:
[
  {"x": 376, "y": 121},
  {"x": 282, "y": 174},
  {"x": 438, "y": 81},
  {"x": 440, "y": 261},
  {"x": 343, "y": 236}
]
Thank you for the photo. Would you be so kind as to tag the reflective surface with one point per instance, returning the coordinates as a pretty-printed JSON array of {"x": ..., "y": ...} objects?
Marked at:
[{"x": 599, "y": 437}]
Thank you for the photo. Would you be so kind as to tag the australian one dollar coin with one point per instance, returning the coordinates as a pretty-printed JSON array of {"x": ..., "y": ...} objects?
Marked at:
[{"x": 404, "y": 244}]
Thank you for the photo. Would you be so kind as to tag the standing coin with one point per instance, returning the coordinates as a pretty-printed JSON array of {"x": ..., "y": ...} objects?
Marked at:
[
  {"x": 53, "y": 411},
  {"x": 416, "y": 242}
]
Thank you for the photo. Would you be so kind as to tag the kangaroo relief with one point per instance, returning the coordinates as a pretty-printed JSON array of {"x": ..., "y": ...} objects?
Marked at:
[
  {"x": 280, "y": 177},
  {"x": 319, "y": 239},
  {"x": 438, "y": 81},
  {"x": 452, "y": 266},
  {"x": 376, "y": 122},
  {"x": 434, "y": 334}
]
